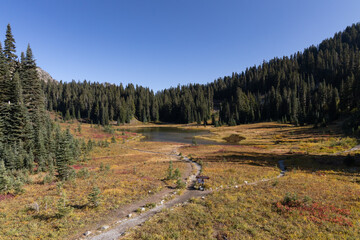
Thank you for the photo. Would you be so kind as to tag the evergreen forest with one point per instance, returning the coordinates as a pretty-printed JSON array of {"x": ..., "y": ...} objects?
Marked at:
[
  {"x": 29, "y": 140},
  {"x": 316, "y": 86}
]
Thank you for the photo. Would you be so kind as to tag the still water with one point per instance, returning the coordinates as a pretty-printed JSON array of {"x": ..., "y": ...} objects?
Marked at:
[{"x": 173, "y": 134}]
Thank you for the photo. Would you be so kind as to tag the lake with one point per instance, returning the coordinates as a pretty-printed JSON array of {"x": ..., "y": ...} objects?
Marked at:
[{"x": 173, "y": 134}]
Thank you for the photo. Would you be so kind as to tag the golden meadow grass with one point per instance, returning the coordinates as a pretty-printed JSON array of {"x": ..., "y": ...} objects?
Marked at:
[
  {"x": 124, "y": 175},
  {"x": 327, "y": 204},
  {"x": 127, "y": 175}
]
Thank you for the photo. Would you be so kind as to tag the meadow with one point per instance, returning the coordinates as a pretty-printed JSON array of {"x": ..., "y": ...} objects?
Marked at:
[
  {"x": 318, "y": 198},
  {"x": 50, "y": 209}
]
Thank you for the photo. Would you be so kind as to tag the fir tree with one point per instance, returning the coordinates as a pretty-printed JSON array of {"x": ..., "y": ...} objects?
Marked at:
[
  {"x": 33, "y": 94},
  {"x": 4, "y": 179},
  {"x": 63, "y": 156},
  {"x": 9, "y": 49}
]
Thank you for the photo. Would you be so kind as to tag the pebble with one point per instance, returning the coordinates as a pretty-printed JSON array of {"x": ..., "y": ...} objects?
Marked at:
[
  {"x": 143, "y": 209},
  {"x": 129, "y": 216},
  {"x": 87, "y": 233},
  {"x": 236, "y": 186},
  {"x": 245, "y": 182},
  {"x": 104, "y": 227},
  {"x": 202, "y": 197}
]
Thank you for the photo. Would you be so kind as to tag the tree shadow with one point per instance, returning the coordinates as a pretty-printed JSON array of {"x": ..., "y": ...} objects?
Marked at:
[
  {"x": 45, "y": 217},
  {"x": 78, "y": 206},
  {"x": 270, "y": 126},
  {"x": 305, "y": 162}
]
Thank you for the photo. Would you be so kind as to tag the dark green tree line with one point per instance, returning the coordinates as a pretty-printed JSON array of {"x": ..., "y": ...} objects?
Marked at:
[
  {"x": 315, "y": 86},
  {"x": 28, "y": 139}
]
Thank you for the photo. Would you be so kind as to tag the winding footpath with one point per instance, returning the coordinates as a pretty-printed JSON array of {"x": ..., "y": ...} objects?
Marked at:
[
  {"x": 356, "y": 148},
  {"x": 131, "y": 220}
]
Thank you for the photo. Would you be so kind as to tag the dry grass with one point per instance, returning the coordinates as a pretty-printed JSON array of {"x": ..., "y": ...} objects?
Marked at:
[
  {"x": 328, "y": 191},
  {"x": 250, "y": 212},
  {"x": 123, "y": 176}
]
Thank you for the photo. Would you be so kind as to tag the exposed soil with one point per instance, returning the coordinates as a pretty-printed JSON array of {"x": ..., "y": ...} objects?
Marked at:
[
  {"x": 119, "y": 221},
  {"x": 125, "y": 222}
]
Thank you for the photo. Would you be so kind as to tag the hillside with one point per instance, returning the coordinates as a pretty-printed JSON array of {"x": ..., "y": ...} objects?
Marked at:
[
  {"x": 67, "y": 171},
  {"x": 44, "y": 76},
  {"x": 316, "y": 86}
]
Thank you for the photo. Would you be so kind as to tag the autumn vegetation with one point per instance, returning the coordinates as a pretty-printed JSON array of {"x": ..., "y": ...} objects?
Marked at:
[
  {"x": 318, "y": 198},
  {"x": 70, "y": 160}
]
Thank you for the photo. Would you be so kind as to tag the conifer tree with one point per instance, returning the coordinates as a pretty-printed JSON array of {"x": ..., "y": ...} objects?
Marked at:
[
  {"x": 4, "y": 180},
  {"x": 63, "y": 156},
  {"x": 3, "y": 70},
  {"x": 10, "y": 49},
  {"x": 33, "y": 94},
  {"x": 17, "y": 120}
]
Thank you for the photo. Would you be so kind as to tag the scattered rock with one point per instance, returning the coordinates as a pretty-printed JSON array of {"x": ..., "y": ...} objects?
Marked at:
[
  {"x": 236, "y": 186},
  {"x": 129, "y": 215},
  {"x": 143, "y": 209},
  {"x": 245, "y": 182},
  {"x": 104, "y": 227},
  {"x": 87, "y": 233},
  {"x": 202, "y": 197},
  {"x": 35, "y": 207}
]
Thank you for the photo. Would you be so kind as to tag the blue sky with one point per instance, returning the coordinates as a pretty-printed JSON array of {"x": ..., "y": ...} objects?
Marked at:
[{"x": 163, "y": 43}]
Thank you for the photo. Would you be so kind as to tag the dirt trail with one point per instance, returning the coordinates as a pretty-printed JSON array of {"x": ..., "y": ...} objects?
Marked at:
[
  {"x": 356, "y": 148},
  {"x": 124, "y": 222}
]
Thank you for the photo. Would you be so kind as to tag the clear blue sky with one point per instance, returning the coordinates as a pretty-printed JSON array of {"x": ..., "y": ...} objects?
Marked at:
[{"x": 163, "y": 43}]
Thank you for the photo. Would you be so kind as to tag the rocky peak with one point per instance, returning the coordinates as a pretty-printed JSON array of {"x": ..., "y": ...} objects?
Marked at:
[{"x": 44, "y": 76}]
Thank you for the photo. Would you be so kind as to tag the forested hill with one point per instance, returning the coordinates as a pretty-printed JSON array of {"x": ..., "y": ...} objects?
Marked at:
[
  {"x": 29, "y": 140},
  {"x": 317, "y": 85}
]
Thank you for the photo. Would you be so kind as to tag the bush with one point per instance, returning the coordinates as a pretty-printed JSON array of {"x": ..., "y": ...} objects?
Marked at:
[
  {"x": 234, "y": 138},
  {"x": 290, "y": 197},
  {"x": 104, "y": 168},
  {"x": 83, "y": 173},
  {"x": 94, "y": 197},
  {"x": 170, "y": 174},
  {"x": 62, "y": 209},
  {"x": 18, "y": 186},
  {"x": 108, "y": 129},
  {"x": 177, "y": 174},
  {"x": 150, "y": 205},
  {"x": 180, "y": 184},
  {"x": 48, "y": 179}
]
